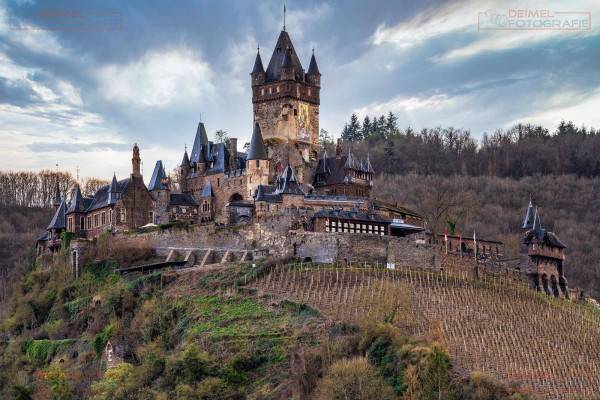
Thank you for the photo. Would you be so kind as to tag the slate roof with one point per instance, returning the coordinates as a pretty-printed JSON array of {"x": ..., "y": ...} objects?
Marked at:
[
  {"x": 158, "y": 177},
  {"x": 102, "y": 196},
  {"x": 267, "y": 193},
  {"x": 186, "y": 159},
  {"x": 78, "y": 205},
  {"x": 351, "y": 215},
  {"x": 277, "y": 58},
  {"x": 313, "y": 69},
  {"x": 257, "y": 150},
  {"x": 331, "y": 171},
  {"x": 537, "y": 232},
  {"x": 287, "y": 183},
  {"x": 528, "y": 220},
  {"x": 182, "y": 199},
  {"x": 200, "y": 148},
  {"x": 207, "y": 190},
  {"x": 258, "y": 65},
  {"x": 58, "y": 220}
]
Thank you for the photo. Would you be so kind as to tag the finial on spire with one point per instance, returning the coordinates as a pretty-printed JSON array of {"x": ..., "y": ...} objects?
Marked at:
[{"x": 284, "y": 17}]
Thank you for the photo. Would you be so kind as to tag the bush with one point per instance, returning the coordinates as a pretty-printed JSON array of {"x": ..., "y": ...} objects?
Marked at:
[
  {"x": 58, "y": 383},
  {"x": 118, "y": 383},
  {"x": 100, "y": 340},
  {"x": 353, "y": 379},
  {"x": 41, "y": 352}
]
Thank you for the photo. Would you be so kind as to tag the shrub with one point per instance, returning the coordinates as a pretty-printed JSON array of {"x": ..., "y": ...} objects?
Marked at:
[
  {"x": 41, "y": 352},
  {"x": 100, "y": 340},
  {"x": 118, "y": 383},
  {"x": 353, "y": 379},
  {"x": 58, "y": 383},
  {"x": 213, "y": 389}
]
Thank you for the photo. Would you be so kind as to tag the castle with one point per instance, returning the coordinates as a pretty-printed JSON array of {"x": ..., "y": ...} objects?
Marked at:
[{"x": 283, "y": 182}]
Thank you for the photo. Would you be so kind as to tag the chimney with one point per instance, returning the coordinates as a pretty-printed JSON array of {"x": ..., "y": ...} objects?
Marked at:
[
  {"x": 233, "y": 154},
  {"x": 338, "y": 148}
]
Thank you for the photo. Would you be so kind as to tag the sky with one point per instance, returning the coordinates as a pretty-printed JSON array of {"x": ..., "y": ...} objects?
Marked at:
[{"x": 81, "y": 82}]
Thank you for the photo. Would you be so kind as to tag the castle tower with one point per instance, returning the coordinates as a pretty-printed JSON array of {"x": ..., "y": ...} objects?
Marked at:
[
  {"x": 184, "y": 170},
  {"x": 160, "y": 192},
  {"x": 257, "y": 162},
  {"x": 136, "y": 162},
  {"x": 286, "y": 106}
]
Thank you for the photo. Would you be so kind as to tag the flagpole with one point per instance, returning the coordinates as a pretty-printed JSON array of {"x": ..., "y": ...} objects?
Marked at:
[
  {"x": 446, "y": 239},
  {"x": 475, "y": 245}
]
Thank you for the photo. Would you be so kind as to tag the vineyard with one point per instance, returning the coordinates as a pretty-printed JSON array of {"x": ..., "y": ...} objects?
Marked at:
[{"x": 548, "y": 346}]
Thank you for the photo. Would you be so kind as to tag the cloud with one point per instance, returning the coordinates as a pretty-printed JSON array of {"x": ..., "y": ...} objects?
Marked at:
[
  {"x": 72, "y": 147},
  {"x": 460, "y": 20},
  {"x": 158, "y": 79},
  {"x": 407, "y": 105}
]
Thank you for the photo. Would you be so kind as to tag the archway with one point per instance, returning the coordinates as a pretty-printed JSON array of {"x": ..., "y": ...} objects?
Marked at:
[
  {"x": 545, "y": 284},
  {"x": 554, "y": 286},
  {"x": 236, "y": 197},
  {"x": 307, "y": 260}
]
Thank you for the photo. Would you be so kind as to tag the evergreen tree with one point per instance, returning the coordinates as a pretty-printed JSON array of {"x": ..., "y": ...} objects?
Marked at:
[
  {"x": 346, "y": 135},
  {"x": 354, "y": 129},
  {"x": 391, "y": 125},
  {"x": 381, "y": 131},
  {"x": 325, "y": 138},
  {"x": 366, "y": 128}
]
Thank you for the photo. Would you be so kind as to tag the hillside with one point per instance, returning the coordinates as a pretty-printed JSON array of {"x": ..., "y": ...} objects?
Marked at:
[{"x": 299, "y": 331}]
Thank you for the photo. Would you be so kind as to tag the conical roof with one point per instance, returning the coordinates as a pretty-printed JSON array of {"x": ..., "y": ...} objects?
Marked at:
[
  {"x": 537, "y": 225},
  {"x": 313, "y": 69},
  {"x": 200, "y": 142},
  {"x": 258, "y": 65},
  {"x": 77, "y": 203},
  {"x": 158, "y": 177},
  {"x": 58, "y": 220},
  {"x": 528, "y": 220},
  {"x": 207, "y": 190},
  {"x": 113, "y": 190},
  {"x": 287, "y": 59},
  {"x": 186, "y": 160},
  {"x": 257, "y": 150},
  {"x": 56, "y": 200},
  {"x": 369, "y": 166},
  {"x": 274, "y": 68}
]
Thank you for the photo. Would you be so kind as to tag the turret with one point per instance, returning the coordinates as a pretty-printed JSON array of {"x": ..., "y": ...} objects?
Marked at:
[
  {"x": 258, "y": 72},
  {"x": 136, "y": 162},
  {"x": 257, "y": 162},
  {"x": 113, "y": 191},
  {"x": 528, "y": 220},
  {"x": 313, "y": 76},
  {"x": 198, "y": 157}
]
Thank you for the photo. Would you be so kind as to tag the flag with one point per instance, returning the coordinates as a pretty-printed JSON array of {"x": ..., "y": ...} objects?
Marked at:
[
  {"x": 446, "y": 234},
  {"x": 474, "y": 239}
]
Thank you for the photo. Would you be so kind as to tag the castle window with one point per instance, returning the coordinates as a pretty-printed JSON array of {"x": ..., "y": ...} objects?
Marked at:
[
  {"x": 257, "y": 163},
  {"x": 183, "y": 209},
  {"x": 309, "y": 92},
  {"x": 151, "y": 216},
  {"x": 295, "y": 111},
  {"x": 123, "y": 216},
  {"x": 95, "y": 220},
  {"x": 262, "y": 92},
  {"x": 70, "y": 224},
  {"x": 103, "y": 218},
  {"x": 277, "y": 89},
  {"x": 89, "y": 222},
  {"x": 270, "y": 90},
  {"x": 81, "y": 223},
  {"x": 110, "y": 216},
  {"x": 218, "y": 182}
]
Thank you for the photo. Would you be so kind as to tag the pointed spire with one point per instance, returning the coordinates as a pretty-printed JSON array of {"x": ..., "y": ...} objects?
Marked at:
[
  {"x": 537, "y": 225},
  {"x": 349, "y": 160},
  {"x": 200, "y": 143},
  {"x": 159, "y": 178},
  {"x": 258, "y": 65},
  {"x": 257, "y": 150},
  {"x": 313, "y": 69},
  {"x": 186, "y": 160},
  {"x": 273, "y": 72},
  {"x": 113, "y": 190},
  {"x": 528, "y": 220},
  {"x": 207, "y": 190},
  {"x": 77, "y": 204},
  {"x": 56, "y": 200}
]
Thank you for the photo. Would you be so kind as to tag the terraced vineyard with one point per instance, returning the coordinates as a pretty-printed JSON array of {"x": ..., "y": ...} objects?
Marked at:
[{"x": 547, "y": 345}]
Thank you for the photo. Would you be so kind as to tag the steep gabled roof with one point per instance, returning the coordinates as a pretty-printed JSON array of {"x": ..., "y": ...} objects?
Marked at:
[
  {"x": 58, "y": 220},
  {"x": 267, "y": 193},
  {"x": 77, "y": 202},
  {"x": 288, "y": 183},
  {"x": 313, "y": 69},
  {"x": 258, "y": 65},
  {"x": 274, "y": 69},
  {"x": 257, "y": 150},
  {"x": 158, "y": 177}
]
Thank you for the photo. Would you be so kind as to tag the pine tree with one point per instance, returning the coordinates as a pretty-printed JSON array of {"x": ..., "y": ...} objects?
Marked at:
[
  {"x": 366, "y": 128},
  {"x": 346, "y": 136},
  {"x": 354, "y": 128},
  {"x": 391, "y": 125},
  {"x": 381, "y": 131}
]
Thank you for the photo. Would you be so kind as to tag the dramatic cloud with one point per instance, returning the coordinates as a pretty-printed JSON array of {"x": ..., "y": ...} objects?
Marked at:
[{"x": 82, "y": 97}]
